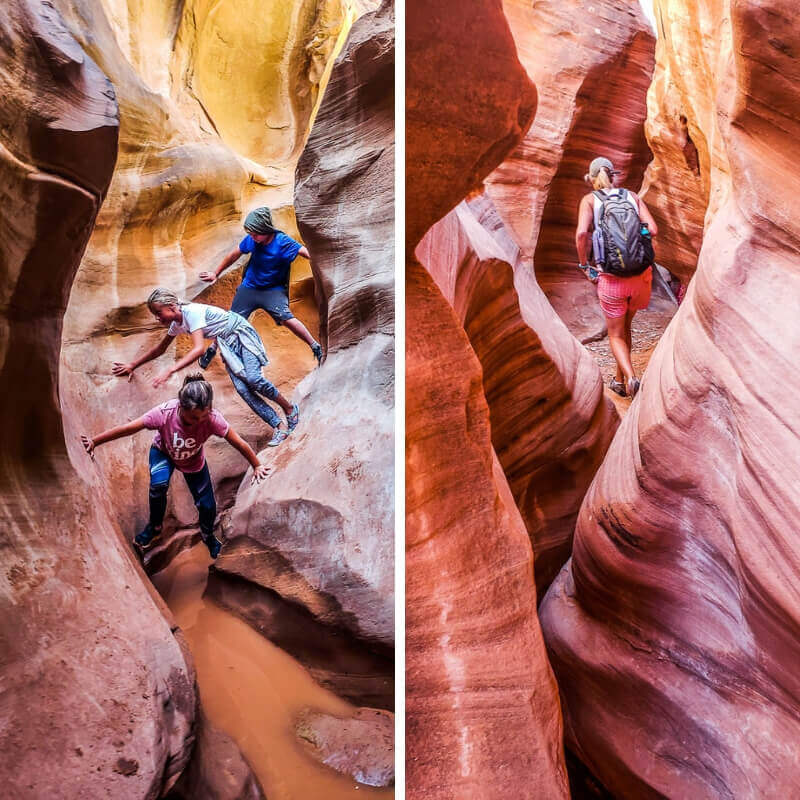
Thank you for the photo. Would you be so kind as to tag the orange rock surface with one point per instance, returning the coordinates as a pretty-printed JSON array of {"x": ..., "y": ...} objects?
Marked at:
[
  {"x": 674, "y": 630},
  {"x": 482, "y": 706},
  {"x": 322, "y": 535},
  {"x": 550, "y": 424},
  {"x": 592, "y": 64}
]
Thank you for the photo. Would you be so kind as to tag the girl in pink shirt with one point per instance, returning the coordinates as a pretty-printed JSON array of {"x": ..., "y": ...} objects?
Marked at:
[{"x": 182, "y": 427}]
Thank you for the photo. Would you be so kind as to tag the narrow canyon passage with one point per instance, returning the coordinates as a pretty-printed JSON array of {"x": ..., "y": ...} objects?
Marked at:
[
  {"x": 135, "y": 140},
  {"x": 253, "y": 690}
]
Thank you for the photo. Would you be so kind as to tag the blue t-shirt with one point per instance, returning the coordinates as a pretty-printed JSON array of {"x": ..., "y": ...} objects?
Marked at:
[{"x": 269, "y": 263}]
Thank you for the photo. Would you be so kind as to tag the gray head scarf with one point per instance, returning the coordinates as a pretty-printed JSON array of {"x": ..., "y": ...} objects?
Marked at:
[{"x": 259, "y": 221}]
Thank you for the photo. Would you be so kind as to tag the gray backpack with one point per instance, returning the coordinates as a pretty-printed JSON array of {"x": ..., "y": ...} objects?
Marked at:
[{"x": 621, "y": 245}]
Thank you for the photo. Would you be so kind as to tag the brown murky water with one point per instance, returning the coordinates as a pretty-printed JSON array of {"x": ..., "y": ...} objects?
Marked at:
[{"x": 253, "y": 690}]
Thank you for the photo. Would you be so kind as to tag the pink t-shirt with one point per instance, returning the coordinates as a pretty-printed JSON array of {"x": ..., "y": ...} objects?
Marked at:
[{"x": 183, "y": 443}]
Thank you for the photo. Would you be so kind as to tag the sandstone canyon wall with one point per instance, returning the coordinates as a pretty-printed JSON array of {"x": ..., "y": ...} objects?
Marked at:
[
  {"x": 482, "y": 707},
  {"x": 121, "y": 173},
  {"x": 592, "y": 64},
  {"x": 97, "y": 694},
  {"x": 322, "y": 535},
  {"x": 214, "y": 111},
  {"x": 550, "y": 423},
  {"x": 674, "y": 630}
]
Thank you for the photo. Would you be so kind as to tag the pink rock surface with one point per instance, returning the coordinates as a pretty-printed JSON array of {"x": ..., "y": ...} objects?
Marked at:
[
  {"x": 550, "y": 422},
  {"x": 97, "y": 694},
  {"x": 481, "y": 703},
  {"x": 591, "y": 63},
  {"x": 321, "y": 532},
  {"x": 674, "y": 630}
]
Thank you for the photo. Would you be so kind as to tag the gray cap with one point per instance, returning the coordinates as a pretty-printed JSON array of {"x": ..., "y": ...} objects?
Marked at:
[{"x": 598, "y": 164}]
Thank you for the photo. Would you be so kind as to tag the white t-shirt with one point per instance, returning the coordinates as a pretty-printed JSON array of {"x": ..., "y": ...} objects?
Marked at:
[{"x": 211, "y": 319}]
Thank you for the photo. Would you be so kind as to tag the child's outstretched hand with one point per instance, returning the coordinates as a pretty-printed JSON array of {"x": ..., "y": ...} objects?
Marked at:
[
  {"x": 209, "y": 277},
  {"x": 88, "y": 445},
  {"x": 162, "y": 378},
  {"x": 120, "y": 370},
  {"x": 260, "y": 473}
]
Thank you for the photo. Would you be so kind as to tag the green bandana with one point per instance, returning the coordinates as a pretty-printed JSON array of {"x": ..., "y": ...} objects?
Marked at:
[{"x": 259, "y": 221}]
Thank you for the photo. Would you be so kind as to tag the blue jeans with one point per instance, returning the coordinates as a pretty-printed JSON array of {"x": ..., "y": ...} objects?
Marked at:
[
  {"x": 255, "y": 385},
  {"x": 199, "y": 483}
]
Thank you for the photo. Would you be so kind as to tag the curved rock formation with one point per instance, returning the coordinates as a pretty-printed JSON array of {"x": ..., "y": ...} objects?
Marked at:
[
  {"x": 322, "y": 534},
  {"x": 678, "y": 180},
  {"x": 676, "y": 626},
  {"x": 175, "y": 206},
  {"x": 592, "y": 63},
  {"x": 482, "y": 708},
  {"x": 550, "y": 423},
  {"x": 96, "y": 700}
]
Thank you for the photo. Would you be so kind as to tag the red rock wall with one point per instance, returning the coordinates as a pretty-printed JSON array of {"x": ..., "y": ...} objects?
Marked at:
[
  {"x": 481, "y": 704},
  {"x": 322, "y": 533},
  {"x": 676, "y": 625},
  {"x": 592, "y": 63},
  {"x": 98, "y": 696},
  {"x": 550, "y": 423}
]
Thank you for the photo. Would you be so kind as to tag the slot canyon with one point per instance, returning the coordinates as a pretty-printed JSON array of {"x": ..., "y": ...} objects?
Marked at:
[
  {"x": 134, "y": 137},
  {"x": 603, "y": 598}
]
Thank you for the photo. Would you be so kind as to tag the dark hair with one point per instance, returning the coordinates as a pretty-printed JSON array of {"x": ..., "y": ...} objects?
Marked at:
[{"x": 196, "y": 392}]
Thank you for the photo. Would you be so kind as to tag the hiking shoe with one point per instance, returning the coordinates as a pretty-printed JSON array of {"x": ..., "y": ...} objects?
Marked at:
[
  {"x": 213, "y": 544},
  {"x": 293, "y": 418},
  {"x": 618, "y": 387},
  {"x": 207, "y": 357},
  {"x": 278, "y": 435},
  {"x": 316, "y": 349},
  {"x": 633, "y": 386},
  {"x": 146, "y": 536}
]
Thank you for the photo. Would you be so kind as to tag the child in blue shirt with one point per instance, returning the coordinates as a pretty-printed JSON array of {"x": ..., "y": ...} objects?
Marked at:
[{"x": 265, "y": 282}]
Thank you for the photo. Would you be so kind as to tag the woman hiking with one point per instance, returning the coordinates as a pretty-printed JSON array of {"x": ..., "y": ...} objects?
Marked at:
[
  {"x": 623, "y": 258},
  {"x": 242, "y": 352},
  {"x": 265, "y": 281},
  {"x": 182, "y": 427}
]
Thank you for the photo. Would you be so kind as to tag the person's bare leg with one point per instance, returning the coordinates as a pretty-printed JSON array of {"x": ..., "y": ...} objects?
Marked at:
[
  {"x": 628, "y": 340},
  {"x": 299, "y": 330},
  {"x": 619, "y": 346},
  {"x": 283, "y": 403}
]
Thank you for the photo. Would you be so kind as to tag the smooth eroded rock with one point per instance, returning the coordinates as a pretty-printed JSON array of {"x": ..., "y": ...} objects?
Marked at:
[
  {"x": 321, "y": 531},
  {"x": 481, "y": 704},
  {"x": 675, "y": 627},
  {"x": 97, "y": 694}
]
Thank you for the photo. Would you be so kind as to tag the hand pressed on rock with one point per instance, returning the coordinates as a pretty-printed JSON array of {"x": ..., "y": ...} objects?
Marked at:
[
  {"x": 161, "y": 379},
  {"x": 120, "y": 370},
  {"x": 260, "y": 473},
  {"x": 209, "y": 277},
  {"x": 88, "y": 445}
]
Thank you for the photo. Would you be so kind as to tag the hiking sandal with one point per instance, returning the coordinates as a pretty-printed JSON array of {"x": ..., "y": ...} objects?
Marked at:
[
  {"x": 278, "y": 435},
  {"x": 633, "y": 386},
  {"x": 293, "y": 418},
  {"x": 618, "y": 387}
]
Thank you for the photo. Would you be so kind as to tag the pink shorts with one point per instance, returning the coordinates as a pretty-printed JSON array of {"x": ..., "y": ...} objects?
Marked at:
[{"x": 619, "y": 295}]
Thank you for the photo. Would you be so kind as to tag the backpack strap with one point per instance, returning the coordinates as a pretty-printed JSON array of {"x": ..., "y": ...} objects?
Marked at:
[{"x": 601, "y": 196}]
